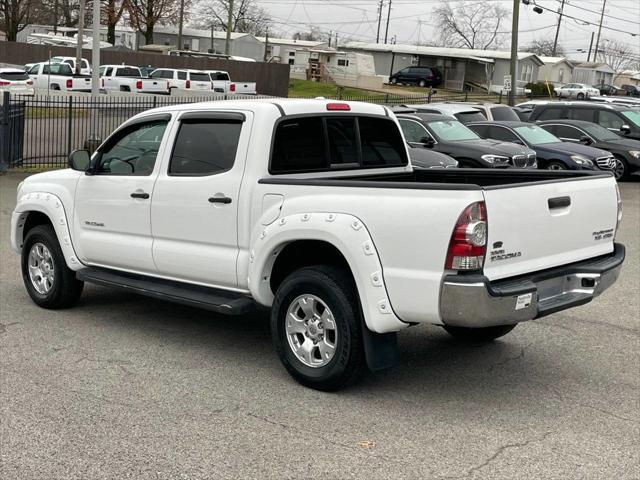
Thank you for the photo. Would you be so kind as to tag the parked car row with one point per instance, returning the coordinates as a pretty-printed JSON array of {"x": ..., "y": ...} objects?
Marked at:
[
  {"x": 131, "y": 78},
  {"x": 537, "y": 134}
]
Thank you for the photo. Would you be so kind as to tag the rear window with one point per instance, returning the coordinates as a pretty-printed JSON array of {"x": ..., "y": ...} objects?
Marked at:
[
  {"x": 127, "y": 72},
  {"x": 58, "y": 69},
  {"x": 219, "y": 76},
  {"x": 14, "y": 76},
  {"x": 466, "y": 117},
  {"x": 199, "y": 77},
  {"x": 324, "y": 143},
  {"x": 504, "y": 113}
]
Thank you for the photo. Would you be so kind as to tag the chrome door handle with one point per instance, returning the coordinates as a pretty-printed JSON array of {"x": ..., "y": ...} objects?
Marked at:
[
  {"x": 140, "y": 195},
  {"x": 225, "y": 200}
]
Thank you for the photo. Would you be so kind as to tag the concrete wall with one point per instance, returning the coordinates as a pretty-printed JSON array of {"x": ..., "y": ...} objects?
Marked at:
[{"x": 271, "y": 79}]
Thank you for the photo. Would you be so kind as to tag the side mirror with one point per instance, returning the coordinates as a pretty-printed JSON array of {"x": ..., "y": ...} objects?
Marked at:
[
  {"x": 586, "y": 140},
  {"x": 79, "y": 160},
  {"x": 427, "y": 141},
  {"x": 625, "y": 129}
]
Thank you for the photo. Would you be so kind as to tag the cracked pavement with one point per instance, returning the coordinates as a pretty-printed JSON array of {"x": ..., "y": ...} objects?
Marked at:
[{"x": 128, "y": 387}]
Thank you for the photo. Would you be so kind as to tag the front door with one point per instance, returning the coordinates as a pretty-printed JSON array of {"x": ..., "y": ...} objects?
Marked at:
[
  {"x": 112, "y": 216},
  {"x": 194, "y": 213}
]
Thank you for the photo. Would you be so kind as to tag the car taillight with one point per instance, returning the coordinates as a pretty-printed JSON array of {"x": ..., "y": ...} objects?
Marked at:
[
  {"x": 187, "y": 84},
  {"x": 343, "y": 107},
  {"x": 139, "y": 84},
  {"x": 29, "y": 82},
  {"x": 232, "y": 87},
  {"x": 102, "y": 82},
  {"x": 4, "y": 84},
  {"x": 468, "y": 244},
  {"x": 69, "y": 83}
]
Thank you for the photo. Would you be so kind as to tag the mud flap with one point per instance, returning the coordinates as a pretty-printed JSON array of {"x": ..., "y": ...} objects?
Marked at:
[{"x": 381, "y": 349}]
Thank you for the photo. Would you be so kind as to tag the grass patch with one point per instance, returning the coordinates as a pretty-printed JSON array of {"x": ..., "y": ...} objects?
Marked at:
[{"x": 307, "y": 88}]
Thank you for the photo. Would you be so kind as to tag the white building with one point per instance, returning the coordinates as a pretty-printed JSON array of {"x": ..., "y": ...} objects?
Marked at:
[
  {"x": 556, "y": 70},
  {"x": 283, "y": 50},
  {"x": 592, "y": 73}
]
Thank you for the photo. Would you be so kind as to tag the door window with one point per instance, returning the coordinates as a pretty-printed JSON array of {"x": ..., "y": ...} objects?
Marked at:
[
  {"x": 299, "y": 146},
  {"x": 586, "y": 114},
  {"x": 502, "y": 134},
  {"x": 109, "y": 71},
  {"x": 610, "y": 120},
  {"x": 133, "y": 151},
  {"x": 565, "y": 132},
  {"x": 205, "y": 147},
  {"x": 413, "y": 131},
  {"x": 182, "y": 75},
  {"x": 550, "y": 113}
]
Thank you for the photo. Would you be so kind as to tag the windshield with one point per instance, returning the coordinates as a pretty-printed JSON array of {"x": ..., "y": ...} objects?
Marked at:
[
  {"x": 452, "y": 130},
  {"x": 536, "y": 135},
  {"x": 600, "y": 133},
  {"x": 633, "y": 115}
]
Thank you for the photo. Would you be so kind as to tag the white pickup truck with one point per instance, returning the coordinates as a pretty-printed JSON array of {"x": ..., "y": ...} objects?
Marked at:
[
  {"x": 222, "y": 84},
  {"x": 312, "y": 209},
  {"x": 126, "y": 78},
  {"x": 58, "y": 76}
]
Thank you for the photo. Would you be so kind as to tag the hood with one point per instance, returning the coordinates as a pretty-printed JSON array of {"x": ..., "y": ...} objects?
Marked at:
[
  {"x": 426, "y": 158},
  {"x": 574, "y": 149},
  {"x": 496, "y": 147}
]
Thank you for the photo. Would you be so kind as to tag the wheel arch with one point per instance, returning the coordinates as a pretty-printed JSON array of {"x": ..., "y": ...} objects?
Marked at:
[
  {"x": 41, "y": 208},
  {"x": 314, "y": 238}
]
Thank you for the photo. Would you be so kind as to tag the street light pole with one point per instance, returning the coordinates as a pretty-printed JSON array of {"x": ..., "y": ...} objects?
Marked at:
[
  {"x": 595, "y": 52},
  {"x": 80, "y": 35},
  {"x": 227, "y": 46},
  {"x": 555, "y": 42},
  {"x": 180, "y": 23},
  {"x": 386, "y": 32},
  {"x": 513, "y": 71}
]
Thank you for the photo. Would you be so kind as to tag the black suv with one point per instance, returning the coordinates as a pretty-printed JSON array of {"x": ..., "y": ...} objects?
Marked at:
[
  {"x": 421, "y": 76},
  {"x": 621, "y": 119},
  {"x": 445, "y": 134},
  {"x": 632, "y": 90}
]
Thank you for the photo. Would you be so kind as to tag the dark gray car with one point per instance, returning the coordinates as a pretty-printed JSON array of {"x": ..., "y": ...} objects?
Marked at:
[
  {"x": 447, "y": 135},
  {"x": 425, "y": 158}
]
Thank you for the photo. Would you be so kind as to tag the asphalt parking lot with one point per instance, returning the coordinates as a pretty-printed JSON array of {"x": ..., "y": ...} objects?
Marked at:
[{"x": 127, "y": 387}]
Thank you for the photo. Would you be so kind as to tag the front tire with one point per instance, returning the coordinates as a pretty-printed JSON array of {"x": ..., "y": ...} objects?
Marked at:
[
  {"x": 48, "y": 280},
  {"x": 485, "y": 334},
  {"x": 621, "y": 170},
  {"x": 316, "y": 327},
  {"x": 580, "y": 96},
  {"x": 556, "y": 166}
]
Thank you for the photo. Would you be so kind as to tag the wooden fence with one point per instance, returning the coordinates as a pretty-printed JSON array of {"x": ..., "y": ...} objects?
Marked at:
[{"x": 271, "y": 78}]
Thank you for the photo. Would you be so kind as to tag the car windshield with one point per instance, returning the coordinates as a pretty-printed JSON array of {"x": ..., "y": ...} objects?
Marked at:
[
  {"x": 452, "y": 130},
  {"x": 633, "y": 115},
  {"x": 600, "y": 133},
  {"x": 536, "y": 135}
]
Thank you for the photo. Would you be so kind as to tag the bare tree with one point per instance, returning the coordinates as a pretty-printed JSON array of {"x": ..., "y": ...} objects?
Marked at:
[
  {"x": 619, "y": 56},
  {"x": 246, "y": 17},
  {"x": 111, "y": 13},
  {"x": 544, "y": 48},
  {"x": 144, "y": 15},
  {"x": 471, "y": 25},
  {"x": 312, "y": 35},
  {"x": 15, "y": 15}
]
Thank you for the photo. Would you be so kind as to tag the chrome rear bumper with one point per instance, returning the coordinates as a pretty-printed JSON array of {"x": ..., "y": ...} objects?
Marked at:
[{"x": 474, "y": 301}]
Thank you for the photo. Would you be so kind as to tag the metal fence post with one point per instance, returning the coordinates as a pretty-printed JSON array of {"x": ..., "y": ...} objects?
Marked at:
[
  {"x": 5, "y": 132},
  {"x": 69, "y": 125}
]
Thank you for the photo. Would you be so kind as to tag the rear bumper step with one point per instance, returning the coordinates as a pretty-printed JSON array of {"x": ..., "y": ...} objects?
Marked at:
[
  {"x": 474, "y": 301},
  {"x": 221, "y": 301}
]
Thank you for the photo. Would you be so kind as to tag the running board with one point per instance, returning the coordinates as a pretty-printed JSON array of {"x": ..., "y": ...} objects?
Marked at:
[{"x": 217, "y": 300}]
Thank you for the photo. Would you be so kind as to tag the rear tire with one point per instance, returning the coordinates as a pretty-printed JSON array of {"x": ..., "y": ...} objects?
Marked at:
[
  {"x": 422, "y": 83},
  {"x": 49, "y": 282},
  {"x": 486, "y": 334},
  {"x": 580, "y": 96},
  {"x": 316, "y": 327},
  {"x": 394, "y": 81}
]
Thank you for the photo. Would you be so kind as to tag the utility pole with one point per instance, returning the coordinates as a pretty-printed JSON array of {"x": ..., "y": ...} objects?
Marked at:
[
  {"x": 513, "y": 71},
  {"x": 595, "y": 52},
  {"x": 336, "y": 40},
  {"x": 55, "y": 17},
  {"x": 590, "y": 46},
  {"x": 379, "y": 20},
  {"x": 80, "y": 35},
  {"x": 212, "y": 49},
  {"x": 180, "y": 22},
  {"x": 419, "y": 32},
  {"x": 227, "y": 43},
  {"x": 266, "y": 44},
  {"x": 555, "y": 42},
  {"x": 330, "y": 37},
  {"x": 386, "y": 32}
]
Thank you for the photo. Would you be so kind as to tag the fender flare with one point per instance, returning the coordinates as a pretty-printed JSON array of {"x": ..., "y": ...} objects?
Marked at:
[
  {"x": 51, "y": 206},
  {"x": 350, "y": 237}
]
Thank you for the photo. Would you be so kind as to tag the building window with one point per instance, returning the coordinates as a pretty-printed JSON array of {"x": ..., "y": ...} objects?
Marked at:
[
  {"x": 292, "y": 61},
  {"x": 292, "y": 54},
  {"x": 561, "y": 75},
  {"x": 343, "y": 62}
]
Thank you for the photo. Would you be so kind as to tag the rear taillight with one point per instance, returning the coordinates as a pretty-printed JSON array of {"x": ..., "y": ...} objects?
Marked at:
[
  {"x": 102, "y": 82},
  {"x": 69, "y": 83},
  {"x": 4, "y": 84},
  {"x": 29, "y": 82},
  {"x": 468, "y": 244},
  {"x": 619, "y": 214},
  {"x": 139, "y": 84},
  {"x": 232, "y": 87},
  {"x": 187, "y": 84}
]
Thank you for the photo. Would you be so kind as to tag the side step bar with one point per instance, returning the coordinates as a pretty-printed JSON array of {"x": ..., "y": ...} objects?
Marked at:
[{"x": 220, "y": 301}]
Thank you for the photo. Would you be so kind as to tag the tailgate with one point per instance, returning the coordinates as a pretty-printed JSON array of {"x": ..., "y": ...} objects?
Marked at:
[
  {"x": 538, "y": 226},
  {"x": 154, "y": 85}
]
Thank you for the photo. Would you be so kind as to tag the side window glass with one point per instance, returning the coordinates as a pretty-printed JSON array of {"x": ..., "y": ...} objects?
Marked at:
[
  {"x": 34, "y": 70},
  {"x": 481, "y": 130},
  {"x": 205, "y": 147},
  {"x": 381, "y": 143},
  {"x": 133, "y": 152},
  {"x": 586, "y": 114},
  {"x": 550, "y": 114},
  {"x": 343, "y": 144},
  {"x": 502, "y": 134},
  {"x": 182, "y": 75},
  {"x": 413, "y": 131},
  {"x": 109, "y": 71},
  {"x": 610, "y": 120},
  {"x": 564, "y": 131},
  {"x": 299, "y": 146}
]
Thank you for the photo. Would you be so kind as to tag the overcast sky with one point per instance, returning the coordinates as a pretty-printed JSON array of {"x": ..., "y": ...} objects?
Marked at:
[{"x": 357, "y": 20}]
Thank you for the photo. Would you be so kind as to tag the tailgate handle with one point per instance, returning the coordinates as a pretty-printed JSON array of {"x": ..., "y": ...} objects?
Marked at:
[{"x": 559, "y": 202}]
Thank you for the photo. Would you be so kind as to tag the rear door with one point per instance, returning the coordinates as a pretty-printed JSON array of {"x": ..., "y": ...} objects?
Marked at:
[
  {"x": 195, "y": 204},
  {"x": 542, "y": 225}
]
